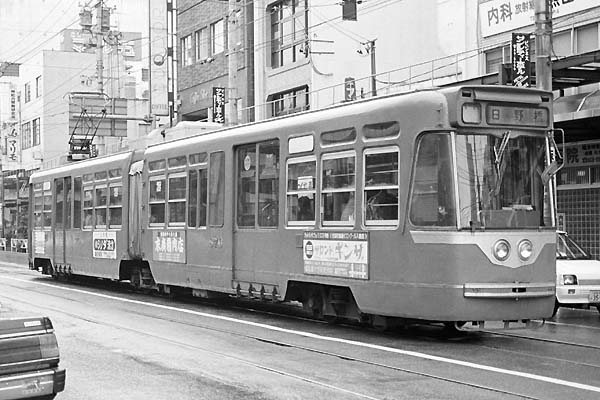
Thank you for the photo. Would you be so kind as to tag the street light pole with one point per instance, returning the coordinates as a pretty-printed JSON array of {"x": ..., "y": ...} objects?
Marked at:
[{"x": 371, "y": 49}]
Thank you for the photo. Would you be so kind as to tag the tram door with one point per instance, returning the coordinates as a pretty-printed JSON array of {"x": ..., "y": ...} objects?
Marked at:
[
  {"x": 62, "y": 201},
  {"x": 134, "y": 246}
]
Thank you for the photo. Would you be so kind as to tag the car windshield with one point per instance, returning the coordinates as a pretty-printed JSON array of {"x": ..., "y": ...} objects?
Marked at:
[
  {"x": 568, "y": 249},
  {"x": 499, "y": 180}
]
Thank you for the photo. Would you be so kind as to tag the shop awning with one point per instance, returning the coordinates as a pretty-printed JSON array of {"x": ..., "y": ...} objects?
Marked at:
[{"x": 578, "y": 106}]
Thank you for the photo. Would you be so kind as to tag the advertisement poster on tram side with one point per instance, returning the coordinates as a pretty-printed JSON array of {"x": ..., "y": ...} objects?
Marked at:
[
  {"x": 105, "y": 245},
  {"x": 340, "y": 254},
  {"x": 39, "y": 242},
  {"x": 169, "y": 246}
]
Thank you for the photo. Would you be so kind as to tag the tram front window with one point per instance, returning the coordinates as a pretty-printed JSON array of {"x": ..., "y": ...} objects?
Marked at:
[{"x": 499, "y": 180}]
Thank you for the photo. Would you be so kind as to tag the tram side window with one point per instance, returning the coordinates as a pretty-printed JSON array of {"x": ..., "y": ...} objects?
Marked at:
[
  {"x": 217, "y": 189},
  {"x": 47, "y": 214},
  {"x": 77, "y": 202},
  {"x": 58, "y": 204},
  {"x": 115, "y": 206},
  {"x": 176, "y": 201},
  {"x": 268, "y": 184},
  {"x": 261, "y": 210},
  {"x": 38, "y": 205},
  {"x": 198, "y": 193},
  {"x": 157, "y": 200},
  {"x": 432, "y": 202},
  {"x": 88, "y": 207},
  {"x": 68, "y": 202},
  {"x": 338, "y": 188},
  {"x": 381, "y": 187},
  {"x": 100, "y": 204},
  {"x": 301, "y": 190}
]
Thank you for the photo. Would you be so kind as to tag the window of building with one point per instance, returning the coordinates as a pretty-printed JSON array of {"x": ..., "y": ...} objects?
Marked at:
[
  {"x": 216, "y": 197},
  {"x": 561, "y": 44},
  {"x": 36, "y": 132},
  {"x": 495, "y": 58},
  {"x": 301, "y": 191},
  {"x": 217, "y": 37},
  {"x": 157, "y": 200},
  {"x": 38, "y": 86},
  {"x": 258, "y": 173},
  {"x": 27, "y": 92},
  {"x": 201, "y": 44},
  {"x": 338, "y": 188},
  {"x": 26, "y": 138},
  {"x": 381, "y": 186},
  {"x": 176, "y": 200},
  {"x": 186, "y": 51},
  {"x": 289, "y": 32},
  {"x": 289, "y": 102}
]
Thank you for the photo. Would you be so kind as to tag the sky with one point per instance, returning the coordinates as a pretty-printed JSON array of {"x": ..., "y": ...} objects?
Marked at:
[{"x": 25, "y": 25}]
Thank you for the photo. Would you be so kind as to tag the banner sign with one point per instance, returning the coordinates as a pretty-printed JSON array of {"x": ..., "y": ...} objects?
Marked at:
[
  {"x": 521, "y": 60},
  {"x": 105, "y": 244},
  {"x": 169, "y": 246},
  {"x": 585, "y": 153},
  {"x": 499, "y": 16},
  {"x": 158, "y": 56},
  {"x": 218, "y": 104},
  {"x": 342, "y": 254}
]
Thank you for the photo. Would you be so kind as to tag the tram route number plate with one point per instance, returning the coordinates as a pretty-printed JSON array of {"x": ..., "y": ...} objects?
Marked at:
[{"x": 594, "y": 296}]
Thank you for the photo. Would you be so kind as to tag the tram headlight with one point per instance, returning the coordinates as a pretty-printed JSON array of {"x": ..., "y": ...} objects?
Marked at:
[
  {"x": 471, "y": 113},
  {"x": 501, "y": 250},
  {"x": 525, "y": 249},
  {"x": 569, "y": 279}
]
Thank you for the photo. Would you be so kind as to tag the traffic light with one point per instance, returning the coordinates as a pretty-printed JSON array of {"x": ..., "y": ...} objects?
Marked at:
[{"x": 348, "y": 10}]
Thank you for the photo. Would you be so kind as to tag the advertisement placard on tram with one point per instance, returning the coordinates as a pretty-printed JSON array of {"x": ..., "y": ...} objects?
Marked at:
[{"x": 342, "y": 254}]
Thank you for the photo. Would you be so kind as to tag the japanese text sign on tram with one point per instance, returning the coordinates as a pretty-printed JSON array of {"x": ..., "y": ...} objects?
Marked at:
[
  {"x": 343, "y": 254},
  {"x": 169, "y": 246},
  {"x": 218, "y": 104},
  {"x": 521, "y": 60},
  {"x": 105, "y": 244}
]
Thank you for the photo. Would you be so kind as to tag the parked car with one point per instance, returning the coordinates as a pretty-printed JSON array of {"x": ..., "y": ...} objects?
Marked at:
[
  {"x": 577, "y": 275},
  {"x": 29, "y": 359}
]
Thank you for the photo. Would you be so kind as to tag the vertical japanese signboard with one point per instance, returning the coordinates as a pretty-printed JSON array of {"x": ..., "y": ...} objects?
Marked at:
[
  {"x": 521, "y": 60},
  {"x": 158, "y": 56},
  {"x": 343, "y": 254},
  {"x": 169, "y": 246},
  {"x": 218, "y": 104}
]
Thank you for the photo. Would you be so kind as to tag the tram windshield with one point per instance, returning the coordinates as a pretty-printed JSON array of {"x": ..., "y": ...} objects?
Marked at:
[{"x": 500, "y": 180}]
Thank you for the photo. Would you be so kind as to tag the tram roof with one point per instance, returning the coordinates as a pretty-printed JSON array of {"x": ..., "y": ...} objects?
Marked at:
[{"x": 89, "y": 164}]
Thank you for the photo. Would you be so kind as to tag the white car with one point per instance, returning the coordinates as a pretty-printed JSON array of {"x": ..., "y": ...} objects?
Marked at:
[{"x": 577, "y": 275}]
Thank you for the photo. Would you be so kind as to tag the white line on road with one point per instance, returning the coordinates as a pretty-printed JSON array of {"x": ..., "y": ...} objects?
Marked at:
[{"x": 424, "y": 356}]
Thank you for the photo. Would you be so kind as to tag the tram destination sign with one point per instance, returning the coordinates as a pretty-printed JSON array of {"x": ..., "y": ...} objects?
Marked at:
[
  {"x": 342, "y": 254},
  {"x": 518, "y": 116}
]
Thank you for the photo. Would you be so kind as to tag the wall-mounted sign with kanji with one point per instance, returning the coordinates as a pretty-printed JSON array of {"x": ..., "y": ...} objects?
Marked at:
[{"x": 218, "y": 104}]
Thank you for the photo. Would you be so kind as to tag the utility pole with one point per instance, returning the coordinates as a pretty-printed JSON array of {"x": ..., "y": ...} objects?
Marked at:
[
  {"x": 373, "y": 68},
  {"x": 543, "y": 44},
  {"x": 232, "y": 16}
]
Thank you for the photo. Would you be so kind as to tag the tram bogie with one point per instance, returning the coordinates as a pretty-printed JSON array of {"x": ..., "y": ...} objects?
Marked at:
[{"x": 430, "y": 206}]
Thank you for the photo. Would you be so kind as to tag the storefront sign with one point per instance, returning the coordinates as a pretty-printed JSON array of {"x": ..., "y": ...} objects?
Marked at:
[
  {"x": 521, "y": 60},
  {"x": 169, "y": 246},
  {"x": 499, "y": 16},
  {"x": 105, "y": 244},
  {"x": 582, "y": 153},
  {"x": 343, "y": 254}
]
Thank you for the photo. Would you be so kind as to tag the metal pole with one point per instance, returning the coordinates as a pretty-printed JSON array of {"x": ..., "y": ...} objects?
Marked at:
[
  {"x": 543, "y": 44},
  {"x": 232, "y": 62},
  {"x": 99, "y": 47},
  {"x": 373, "y": 68},
  {"x": 150, "y": 64}
]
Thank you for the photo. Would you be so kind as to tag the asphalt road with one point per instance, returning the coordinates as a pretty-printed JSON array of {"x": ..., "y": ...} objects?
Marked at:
[{"x": 122, "y": 345}]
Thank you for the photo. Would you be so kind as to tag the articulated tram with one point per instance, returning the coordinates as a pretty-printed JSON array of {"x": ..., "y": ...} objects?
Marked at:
[{"x": 429, "y": 206}]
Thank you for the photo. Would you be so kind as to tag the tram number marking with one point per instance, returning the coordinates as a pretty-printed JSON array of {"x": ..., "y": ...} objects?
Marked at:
[
  {"x": 594, "y": 296},
  {"x": 104, "y": 244}
]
